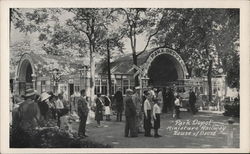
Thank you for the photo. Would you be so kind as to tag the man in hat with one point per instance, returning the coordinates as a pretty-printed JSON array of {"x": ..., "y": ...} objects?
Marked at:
[
  {"x": 138, "y": 104},
  {"x": 83, "y": 111},
  {"x": 29, "y": 112},
  {"x": 130, "y": 113}
]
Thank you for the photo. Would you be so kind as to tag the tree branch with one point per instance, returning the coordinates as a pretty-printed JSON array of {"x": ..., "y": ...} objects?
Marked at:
[{"x": 149, "y": 38}]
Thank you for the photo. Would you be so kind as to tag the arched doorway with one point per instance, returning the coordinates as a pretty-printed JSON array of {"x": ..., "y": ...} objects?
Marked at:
[
  {"x": 164, "y": 67},
  {"x": 162, "y": 71},
  {"x": 25, "y": 74}
]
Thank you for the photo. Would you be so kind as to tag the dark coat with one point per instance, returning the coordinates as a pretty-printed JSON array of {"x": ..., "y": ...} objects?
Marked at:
[
  {"x": 44, "y": 108},
  {"x": 83, "y": 109},
  {"x": 98, "y": 111},
  {"x": 170, "y": 99},
  {"x": 192, "y": 98},
  {"x": 106, "y": 101},
  {"x": 130, "y": 108},
  {"x": 118, "y": 100},
  {"x": 29, "y": 114}
]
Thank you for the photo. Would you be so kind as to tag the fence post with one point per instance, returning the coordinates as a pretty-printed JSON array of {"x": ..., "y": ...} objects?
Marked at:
[{"x": 230, "y": 135}]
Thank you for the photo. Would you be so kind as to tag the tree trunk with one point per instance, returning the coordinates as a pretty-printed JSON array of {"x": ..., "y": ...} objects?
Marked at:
[
  {"x": 92, "y": 74},
  {"x": 109, "y": 71},
  {"x": 209, "y": 80},
  {"x": 135, "y": 63}
]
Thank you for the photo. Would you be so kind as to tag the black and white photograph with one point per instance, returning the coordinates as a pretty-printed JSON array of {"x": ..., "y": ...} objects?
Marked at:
[{"x": 124, "y": 77}]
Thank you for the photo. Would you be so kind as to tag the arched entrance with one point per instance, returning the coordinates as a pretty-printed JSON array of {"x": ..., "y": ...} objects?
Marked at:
[
  {"x": 163, "y": 67},
  {"x": 25, "y": 74}
]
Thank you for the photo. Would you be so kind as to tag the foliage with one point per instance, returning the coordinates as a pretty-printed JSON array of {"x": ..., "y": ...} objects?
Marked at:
[
  {"x": 232, "y": 109},
  {"x": 50, "y": 138},
  {"x": 198, "y": 35},
  {"x": 138, "y": 21},
  {"x": 207, "y": 39}
]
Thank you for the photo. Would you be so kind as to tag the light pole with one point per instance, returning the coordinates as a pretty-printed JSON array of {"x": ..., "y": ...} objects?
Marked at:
[{"x": 83, "y": 74}]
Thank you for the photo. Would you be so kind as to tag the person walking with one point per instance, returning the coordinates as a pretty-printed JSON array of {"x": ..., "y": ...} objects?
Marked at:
[
  {"x": 98, "y": 110},
  {"x": 118, "y": 101},
  {"x": 192, "y": 101},
  {"x": 138, "y": 104},
  {"x": 156, "y": 116},
  {"x": 130, "y": 113},
  {"x": 177, "y": 106},
  {"x": 147, "y": 115},
  {"x": 83, "y": 111}
]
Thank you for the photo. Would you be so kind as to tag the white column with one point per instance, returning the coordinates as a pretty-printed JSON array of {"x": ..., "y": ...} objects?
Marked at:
[{"x": 34, "y": 81}]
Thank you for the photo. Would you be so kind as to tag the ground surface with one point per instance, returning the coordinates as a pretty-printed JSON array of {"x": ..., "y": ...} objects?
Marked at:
[{"x": 112, "y": 133}]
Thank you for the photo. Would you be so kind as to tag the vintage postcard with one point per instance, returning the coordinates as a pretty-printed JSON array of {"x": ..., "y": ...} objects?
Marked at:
[{"x": 125, "y": 76}]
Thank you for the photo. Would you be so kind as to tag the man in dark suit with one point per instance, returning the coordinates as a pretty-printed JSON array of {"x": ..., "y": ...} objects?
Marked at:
[
  {"x": 192, "y": 101},
  {"x": 130, "y": 113},
  {"x": 118, "y": 100},
  {"x": 83, "y": 111}
]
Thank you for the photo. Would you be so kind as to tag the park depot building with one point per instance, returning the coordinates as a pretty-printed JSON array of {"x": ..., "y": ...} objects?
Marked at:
[{"x": 162, "y": 67}]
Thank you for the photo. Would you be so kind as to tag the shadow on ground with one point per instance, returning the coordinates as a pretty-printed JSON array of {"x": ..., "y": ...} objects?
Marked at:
[{"x": 112, "y": 133}]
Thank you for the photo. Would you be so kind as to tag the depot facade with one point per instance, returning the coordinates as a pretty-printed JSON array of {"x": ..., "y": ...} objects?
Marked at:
[{"x": 158, "y": 68}]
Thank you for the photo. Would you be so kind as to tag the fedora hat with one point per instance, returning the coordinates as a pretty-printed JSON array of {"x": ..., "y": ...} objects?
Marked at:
[
  {"x": 44, "y": 96},
  {"x": 29, "y": 92}
]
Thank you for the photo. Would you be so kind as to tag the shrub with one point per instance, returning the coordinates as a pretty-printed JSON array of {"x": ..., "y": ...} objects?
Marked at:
[
  {"x": 50, "y": 138},
  {"x": 232, "y": 110}
]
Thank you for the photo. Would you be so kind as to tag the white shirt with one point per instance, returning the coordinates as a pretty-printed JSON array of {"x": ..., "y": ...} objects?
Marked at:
[
  {"x": 156, "y": 110},
  {"x": 59, "y": 104},
  {"x": 147, "y": 106},
  {"x": 160, "y": 97},
  {"x": 177, "y": 102}
]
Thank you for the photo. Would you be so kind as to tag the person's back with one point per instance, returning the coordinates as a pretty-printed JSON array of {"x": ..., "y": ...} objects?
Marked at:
[
  {"x": 130, "y": 109},
  {"x": 137, "y": 101},
  {"x": 192, "y": 97},
  {"x": 29, "y": 114},
  {"x": 118, "y": 99},
  {"x": 82, "y": 107}
]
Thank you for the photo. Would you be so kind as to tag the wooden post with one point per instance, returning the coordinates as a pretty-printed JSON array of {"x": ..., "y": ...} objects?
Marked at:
[{"x": 230, "y": 135}]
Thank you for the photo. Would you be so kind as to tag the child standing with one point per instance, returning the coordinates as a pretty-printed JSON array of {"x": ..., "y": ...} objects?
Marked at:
[
  {"x": 156, "y": 116},
  {"x": 147, "y": 115},
  {"x": 107, "y": 104}
]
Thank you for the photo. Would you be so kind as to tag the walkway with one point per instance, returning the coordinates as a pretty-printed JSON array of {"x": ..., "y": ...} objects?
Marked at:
[{"x": 112, "y": 132}]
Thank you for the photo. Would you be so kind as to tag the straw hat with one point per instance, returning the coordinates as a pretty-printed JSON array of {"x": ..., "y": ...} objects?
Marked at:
[
  {"x": 29, "y": 92},
  {"x": 137, "y": 88},
  {"x": 44, "y": 96},
  {"x": 129, "y": 91}
]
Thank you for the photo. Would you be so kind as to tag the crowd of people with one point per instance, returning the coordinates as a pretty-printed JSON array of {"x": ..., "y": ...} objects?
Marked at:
[
  {"x": 142, "y": 112},
  {"x": 36, "y": 110}
]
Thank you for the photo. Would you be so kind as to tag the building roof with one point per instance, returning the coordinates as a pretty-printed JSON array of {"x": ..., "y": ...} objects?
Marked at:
[
  {"x": 44, "y": 64},
  {"x": 124, "y": 64}
]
